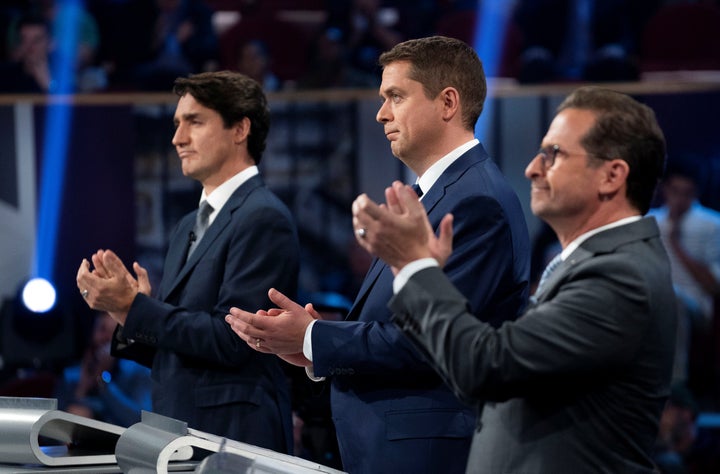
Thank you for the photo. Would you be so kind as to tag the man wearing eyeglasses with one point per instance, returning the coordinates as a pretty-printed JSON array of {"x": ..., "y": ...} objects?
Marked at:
[{"x": 577, "y": 383}]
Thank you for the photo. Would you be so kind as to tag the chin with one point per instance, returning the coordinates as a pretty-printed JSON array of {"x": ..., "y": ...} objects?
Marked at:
[{"x": 538, "y": 210}]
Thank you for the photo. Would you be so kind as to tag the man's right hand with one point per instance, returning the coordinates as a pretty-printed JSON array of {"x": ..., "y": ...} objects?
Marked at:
[{"x": 399, "y": 231}]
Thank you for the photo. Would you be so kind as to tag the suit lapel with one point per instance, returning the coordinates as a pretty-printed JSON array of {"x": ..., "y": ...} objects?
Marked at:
[
  {"x": 177, "y": 253},
  {"x": 453, "y": 172},
  {"x": 604, "y": 242},
  {"x": 376, "y": 267},
  {"x": 430, "y": 200}
]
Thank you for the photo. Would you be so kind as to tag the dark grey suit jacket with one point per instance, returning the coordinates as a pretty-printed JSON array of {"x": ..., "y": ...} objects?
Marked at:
[
  {"x": 203, "y": 373},
  {"x": 576, "y": 384}
]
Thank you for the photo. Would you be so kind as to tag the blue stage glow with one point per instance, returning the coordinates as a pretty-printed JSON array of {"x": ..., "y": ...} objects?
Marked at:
[
  {"x": 489, "y": 40},
  {"x": 57, "y": 126}
]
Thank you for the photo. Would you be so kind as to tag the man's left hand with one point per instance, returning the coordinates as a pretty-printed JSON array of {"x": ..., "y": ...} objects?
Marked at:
[{"x": 275, "y": 331}]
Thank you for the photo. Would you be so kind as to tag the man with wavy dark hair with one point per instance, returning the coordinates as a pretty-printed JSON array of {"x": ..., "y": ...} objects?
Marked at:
[{"x": 241, "y": 241}]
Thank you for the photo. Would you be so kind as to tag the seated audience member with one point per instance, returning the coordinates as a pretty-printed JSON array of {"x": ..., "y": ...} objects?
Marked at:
[
  {"x": 60, "y": 18},
  {"x": 28, "y": 68},
  {"x": 329, "y": 66},
  {"x": 691, "y": 234},
  {"x": 254, "y": 61},
  {"x": 182, "y": 42},
  {"x": 369, "y": 31}
]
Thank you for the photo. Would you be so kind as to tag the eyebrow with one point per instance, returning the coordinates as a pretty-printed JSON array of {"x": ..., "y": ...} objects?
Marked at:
[
  {"x": 390, "y": 90},
  {"x": 186, "y": 117}
]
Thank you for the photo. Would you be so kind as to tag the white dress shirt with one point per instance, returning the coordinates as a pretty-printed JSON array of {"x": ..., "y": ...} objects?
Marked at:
[
  {"x": 413, "y": 267},
  {"x": 426, "y": 181},
  {"x": 222, "y": 193}
]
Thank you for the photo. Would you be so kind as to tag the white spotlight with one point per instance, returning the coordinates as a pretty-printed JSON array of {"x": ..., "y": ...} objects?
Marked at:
[{"x": 39, "y": 295}]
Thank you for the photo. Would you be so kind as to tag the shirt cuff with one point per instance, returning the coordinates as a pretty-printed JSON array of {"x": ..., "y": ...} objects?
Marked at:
[
  {"x": 311, "y": 374},
  {"x": 409, "y": 270},
  {"x": 307, "y": 341}
]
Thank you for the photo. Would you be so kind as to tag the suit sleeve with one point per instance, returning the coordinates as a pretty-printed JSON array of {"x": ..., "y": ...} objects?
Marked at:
[
  {"x": 594, "y": 325},
  {"x": 481, "y": 266},
  {"x": 259, "y": 250}
]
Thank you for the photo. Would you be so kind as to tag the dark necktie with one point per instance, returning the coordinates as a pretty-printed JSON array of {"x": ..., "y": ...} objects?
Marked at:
[
  {"x": 416, "y": 188},
  {"x": 201, "y": 225}
]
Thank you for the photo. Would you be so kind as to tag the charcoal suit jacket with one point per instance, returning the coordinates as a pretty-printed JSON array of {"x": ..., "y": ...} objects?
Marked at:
[
  {"x": 577, "y": 383},
  {"x": 391, "y": 411},
  {"x": 203, "y": 373}
]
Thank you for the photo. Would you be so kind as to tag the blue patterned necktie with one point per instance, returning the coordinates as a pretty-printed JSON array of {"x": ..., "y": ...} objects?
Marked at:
[
  {"x": 554, "y": 263},
  {"x": 202, "y": 222}
]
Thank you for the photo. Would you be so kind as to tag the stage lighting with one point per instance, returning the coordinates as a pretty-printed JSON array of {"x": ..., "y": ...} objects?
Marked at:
[
  {"x": 38, "y": 295},
  {"x": 35, "y": 330}
]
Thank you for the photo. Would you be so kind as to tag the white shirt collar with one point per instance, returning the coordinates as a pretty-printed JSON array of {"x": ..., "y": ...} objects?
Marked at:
[
  {"x": 582, "y": 238},
  {"x": 433, "y": 173},
  {"x": 222, "y": 193}
]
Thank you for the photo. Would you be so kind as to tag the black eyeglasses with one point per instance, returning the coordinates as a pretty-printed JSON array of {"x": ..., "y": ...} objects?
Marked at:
[{"x": 549, "y": 153}]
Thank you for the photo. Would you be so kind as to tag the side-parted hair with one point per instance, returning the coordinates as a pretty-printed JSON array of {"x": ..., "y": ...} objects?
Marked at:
[
  {"x": 625, "y": 129},
  {"x": 233, "y": 96},
  {"x": 438, "y": 62}
]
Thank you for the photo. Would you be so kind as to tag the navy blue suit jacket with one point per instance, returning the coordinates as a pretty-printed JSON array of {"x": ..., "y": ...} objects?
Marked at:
[
  {"x": 203, "y": 373},
  {"x": 392, "y": 412}
]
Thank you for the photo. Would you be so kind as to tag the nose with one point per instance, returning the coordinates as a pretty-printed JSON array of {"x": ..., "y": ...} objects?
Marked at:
[
  {"x": 180, "y": 137},
  {"x": 383, "y": 113},
  {"x": 535, "y": 167}
]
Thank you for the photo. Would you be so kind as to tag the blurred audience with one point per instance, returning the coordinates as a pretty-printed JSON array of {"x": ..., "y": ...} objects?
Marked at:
[
  {"x": 546, "y": 40},
  {"x": 367, "y": 31},
  {"x": 46, "y": 35},
  {"x": 28, "y": 68},
  {"x": 67, "y": 16},
  {"x": 329, "y": 67},
  {"x": 120, "y": 51},
  {"x": 254, "y": 61},
  {"x": 691, "y": 234},
  {"x": 182, "y": 41},
  {"x": 102, "y": 387},
  {"x": 677, "y": 432},
  {"x": 581, "y": 39}
]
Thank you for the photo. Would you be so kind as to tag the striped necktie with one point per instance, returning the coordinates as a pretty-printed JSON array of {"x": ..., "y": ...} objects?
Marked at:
[{"x": 554, "y": 263}]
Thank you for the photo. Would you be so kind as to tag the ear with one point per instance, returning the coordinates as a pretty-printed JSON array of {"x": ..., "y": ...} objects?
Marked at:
[
  {"x": 241, "y": 130},
  {"x": 614, "y": 177},
  {"x": 450, "y": 103}
]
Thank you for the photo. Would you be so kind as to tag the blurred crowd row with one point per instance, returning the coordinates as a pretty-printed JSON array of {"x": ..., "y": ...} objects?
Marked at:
[{"x": 135, "y": 45}]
